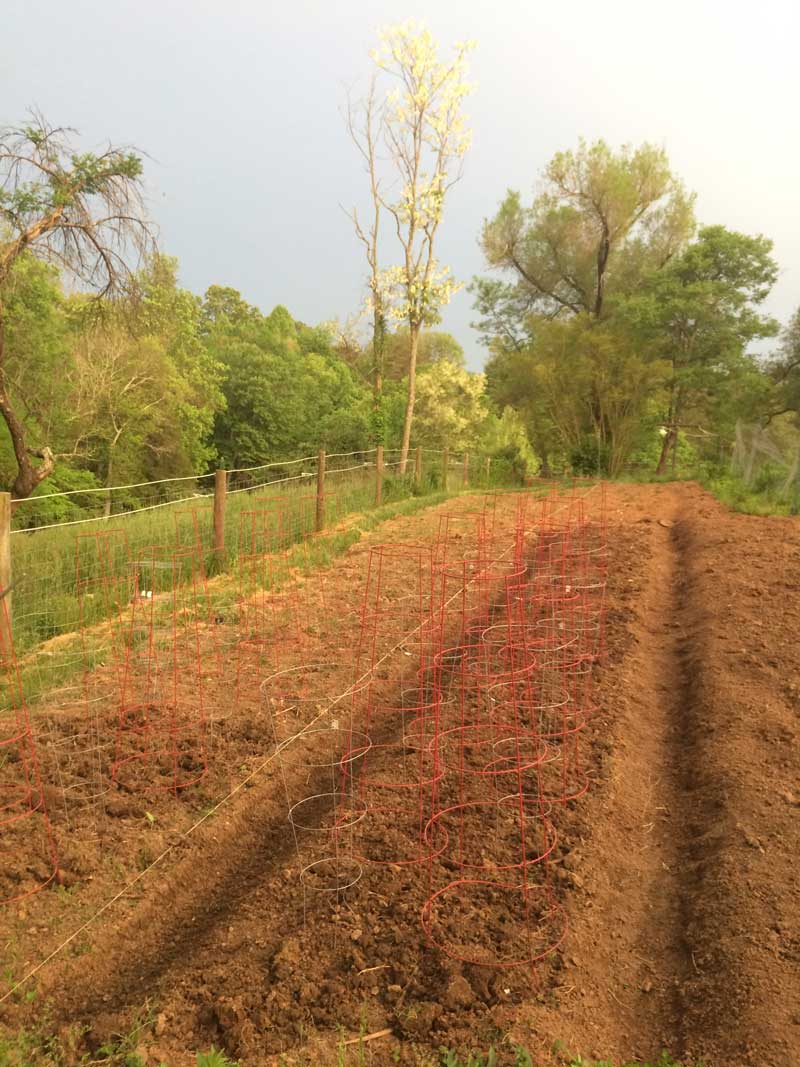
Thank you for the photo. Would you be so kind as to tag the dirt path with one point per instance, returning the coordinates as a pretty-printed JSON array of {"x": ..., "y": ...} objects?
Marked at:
[
  {"x": 622, "y": 988},
  {"x": 684, "y": 913},
  {"x": 644, "y": 891}
]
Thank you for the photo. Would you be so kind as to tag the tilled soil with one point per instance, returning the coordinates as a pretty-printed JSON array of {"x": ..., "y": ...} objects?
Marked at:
[{"x": 676, "y": 871}]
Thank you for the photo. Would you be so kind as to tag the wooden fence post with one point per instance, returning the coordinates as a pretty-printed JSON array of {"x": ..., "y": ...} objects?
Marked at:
[
  {"x": 488, "y": 471},
  {"x": 320, "y": 521},
  {"x": 445, "y": 468},
  {"x": 465, "y": 481},
  {"x": 5, "y": 560},
  {"x": 378, "y": 476},
  {"x": 418, "y": 466},
  {"x": 220, "y": 495}
]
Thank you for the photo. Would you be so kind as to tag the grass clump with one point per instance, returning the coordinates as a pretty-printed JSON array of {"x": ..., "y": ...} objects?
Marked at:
[
  {"x": 521, "y": 1057},
  {"x": 214, "y": 1058},
  {"x": 665, "y": 1060}
]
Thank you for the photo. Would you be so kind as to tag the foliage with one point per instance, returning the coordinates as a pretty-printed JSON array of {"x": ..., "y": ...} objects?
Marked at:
[
  {"x": 582, "y": 389},
  {"x": 214, "y": 1058},
  {"x": 82, "y": 212},
  {"x": 506, "y": 444},
  {"x": 433, "y": 347},
  {"x": 697, "y": 315},
  {"x": 664, "y": 1060},
  {"x": 451, "y": 407},
  {"x": 784, "y": 370},
  {"x": 286, "y": 391},
  {"x": 603, "y": 220},
  {"x": 616, "y": 332}
]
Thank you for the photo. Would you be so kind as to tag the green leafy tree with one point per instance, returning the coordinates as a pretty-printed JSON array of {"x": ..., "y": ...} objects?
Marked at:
[
  {"x": 784, "y": 371},
  {"x": 36, "y": 351},
  {"x": 451, "y": 407},
  {"x": 698, "y": 316},
  {"x": 285, "y": 388},
  {"x": 434, "y": 346},
  {"x": 603, "y": 220},
  {"x": 80, "y": 211},
  {"x": 505, "y": 441},
  {"x": 583, "y": 389},
  {"x": 144, "y": 389},
  {"x": 511, "y": 382}
]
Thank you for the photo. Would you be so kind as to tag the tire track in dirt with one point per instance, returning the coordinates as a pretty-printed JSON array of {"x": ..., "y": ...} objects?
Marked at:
[
  {"x": 742, "y": 997},
  {"x": 628, "y": 957},
  {"x": 685, "y": 936}
]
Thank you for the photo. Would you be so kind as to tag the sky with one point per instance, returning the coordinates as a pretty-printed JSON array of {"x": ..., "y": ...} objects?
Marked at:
[{"x": 238, "y": 106}]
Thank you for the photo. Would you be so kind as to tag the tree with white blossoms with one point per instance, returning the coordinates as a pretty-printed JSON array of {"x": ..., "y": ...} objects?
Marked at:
[{"x": 425, "y": 136}]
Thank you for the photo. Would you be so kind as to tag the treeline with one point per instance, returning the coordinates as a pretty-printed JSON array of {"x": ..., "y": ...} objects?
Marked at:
[
  {"x": 620, "y": 335},
  {"x": 621, "y": 330},
  {"x": 164, "y": 384}
]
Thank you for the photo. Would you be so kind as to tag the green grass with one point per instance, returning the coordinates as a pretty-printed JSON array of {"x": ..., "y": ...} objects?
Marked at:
[
  {"x": 45, "y": 562},
  {"x": 39, "y": 1048},
  {"x": 214, "y": 1058},
  {"x": 42, "y": 670},
  {"x": 756, "y": 499},
  {"x": 521, "y": 1057},
  {"x": 665, "y": 1060}
]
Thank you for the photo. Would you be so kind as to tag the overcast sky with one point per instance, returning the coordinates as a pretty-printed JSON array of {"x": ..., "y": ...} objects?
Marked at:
[{"x": 237, "y": 102}]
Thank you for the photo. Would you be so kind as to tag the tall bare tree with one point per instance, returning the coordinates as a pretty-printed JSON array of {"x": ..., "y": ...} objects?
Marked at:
[
  {"x": 81, "y": 211},
  {"x": 365, "y": 124},
  {"x": 422, "y": 130}
]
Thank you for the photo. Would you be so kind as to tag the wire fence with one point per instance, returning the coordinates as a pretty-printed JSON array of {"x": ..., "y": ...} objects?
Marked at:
[{"x": 47, "y": 557}]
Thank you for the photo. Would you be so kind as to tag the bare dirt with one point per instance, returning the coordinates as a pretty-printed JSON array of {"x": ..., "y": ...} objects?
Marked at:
[{"x": 676, "y": 869}]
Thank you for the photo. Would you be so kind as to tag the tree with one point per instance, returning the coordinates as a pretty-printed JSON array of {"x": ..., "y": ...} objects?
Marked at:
[
  {"x": 285, "y": 388},
  {"x": 698, "y": 315},
  {"x": 81, "y": 211},
  {"x": 121, "y": 392},
  {"x": 433, "y": 346},
  {"x": 505, "y": 441},
  {"x": 424, "y": 133},
  {"x": 143, "y": 388},
  {"x": 511, "y": 383},
  {"x": 604, "y": 219},
  {"x": 365, "y": 124},
  {"x": 451, "y": 407},
  {"x": 36, "y": 350},
  {"x": 582, "y": 388},
  {"x": 784, "y": 370}
]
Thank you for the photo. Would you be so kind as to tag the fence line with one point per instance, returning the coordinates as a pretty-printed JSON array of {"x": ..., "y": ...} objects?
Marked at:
[
  {"x": 116, "y": 515},
  {"x": 275, "y": 463},
  {"x": 111, "y": 488},
  {"x": 44, "y": 561}
]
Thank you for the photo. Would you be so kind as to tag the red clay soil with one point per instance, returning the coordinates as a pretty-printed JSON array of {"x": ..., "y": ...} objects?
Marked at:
[{"x": 677, "y": 869}]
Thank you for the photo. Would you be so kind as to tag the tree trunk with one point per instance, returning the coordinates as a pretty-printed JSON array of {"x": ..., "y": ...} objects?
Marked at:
[
  {"x": 412, "y": 382},
  {"x": 28, "y": 476},
  {"x": 109, "y": 470},
  {"x": 541, "y": 450},
  {"x": 603, "y": 253},
  {"x": 661, "y": 468},
  {"x": 672, "y": 427},
  {"x": 378, "y": 353}
]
